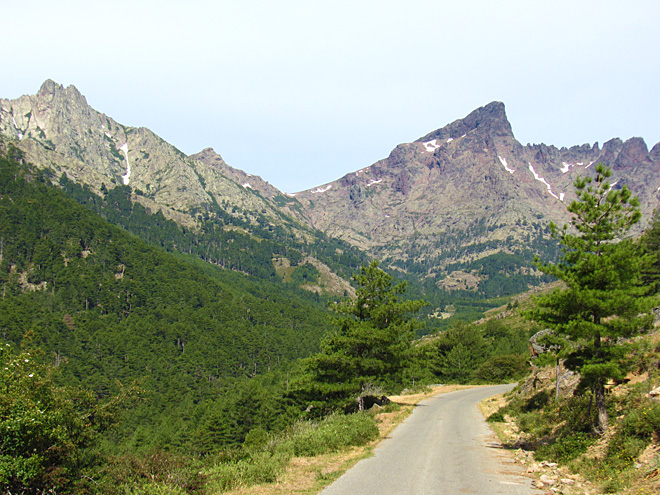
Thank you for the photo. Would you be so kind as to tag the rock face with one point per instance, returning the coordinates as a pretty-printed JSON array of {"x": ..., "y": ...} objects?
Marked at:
[
  {"x": 468, "y": 190},
  {"x": 57, "y": 128}
]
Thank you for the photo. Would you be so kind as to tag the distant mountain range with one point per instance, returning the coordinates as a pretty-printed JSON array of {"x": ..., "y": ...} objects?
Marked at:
[{"x": 459, "y": 207}]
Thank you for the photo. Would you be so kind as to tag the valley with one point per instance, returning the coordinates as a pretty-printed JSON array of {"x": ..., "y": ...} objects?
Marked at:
[{"x": 233, "y": 322}]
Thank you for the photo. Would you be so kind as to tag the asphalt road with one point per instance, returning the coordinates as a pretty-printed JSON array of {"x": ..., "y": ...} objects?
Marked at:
[{"x": 445, "y": 447}]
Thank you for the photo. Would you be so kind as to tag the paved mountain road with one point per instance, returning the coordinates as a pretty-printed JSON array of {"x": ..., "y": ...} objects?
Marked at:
[{"x": 444, "y": 448}]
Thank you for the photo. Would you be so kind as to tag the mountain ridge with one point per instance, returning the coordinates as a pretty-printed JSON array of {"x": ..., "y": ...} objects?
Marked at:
[{"x": 457, "y": 195}]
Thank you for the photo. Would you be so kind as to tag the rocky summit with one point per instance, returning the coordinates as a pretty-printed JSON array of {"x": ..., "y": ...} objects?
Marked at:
[{"x": 434, "y": 208}]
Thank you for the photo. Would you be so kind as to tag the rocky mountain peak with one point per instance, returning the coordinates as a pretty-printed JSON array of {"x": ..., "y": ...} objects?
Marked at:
[
  {"x": 49, "y": 87},
  {"x": 633, "y": 152},
  {"x": 50, "y": 90},
  {"x": 488, "y": 120},
  {"x": 209, "y": 156}
]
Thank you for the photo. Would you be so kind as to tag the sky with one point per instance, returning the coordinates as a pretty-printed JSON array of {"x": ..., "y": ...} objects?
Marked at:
[{"x": 304, "y": 92}]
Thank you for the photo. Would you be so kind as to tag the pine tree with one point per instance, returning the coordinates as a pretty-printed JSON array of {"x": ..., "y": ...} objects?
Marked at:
[
  {"x": 370, "y": 345},
  {"x": 603, "y": 299}
]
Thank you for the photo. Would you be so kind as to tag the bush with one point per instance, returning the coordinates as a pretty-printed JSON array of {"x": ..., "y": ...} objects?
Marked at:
[
  {"x": 642, "y": 422},
  {"x": 496, "y": 417},
  {"x": 565, "y": 449},
  {"x": 157, "y": 473},
  {"x": 502, "y": 368}
]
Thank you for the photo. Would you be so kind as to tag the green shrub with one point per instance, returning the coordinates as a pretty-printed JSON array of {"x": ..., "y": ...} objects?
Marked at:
[
  {"x": 642, "y": 422},
  {"x": 496, "y": 417},
  {"x": 155, "y": 473},
  {"x": 536, "y": 401},
  {"x": 502, "y": 368},
  {"x": 565, "y": 449},
  {"x": 151, "y": 489}
]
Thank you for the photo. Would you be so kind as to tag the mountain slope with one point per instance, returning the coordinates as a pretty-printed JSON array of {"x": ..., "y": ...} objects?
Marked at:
[{"x": 467, "y": 191}]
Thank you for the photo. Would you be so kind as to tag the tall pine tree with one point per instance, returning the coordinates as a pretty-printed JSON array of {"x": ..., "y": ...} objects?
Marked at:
[
  {"x": 369, "y": 347},
  {"x": 603, "y": 299}
]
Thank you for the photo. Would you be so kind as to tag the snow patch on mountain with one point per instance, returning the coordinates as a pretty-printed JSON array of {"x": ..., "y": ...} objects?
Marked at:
[
  {"x": 506, "y": 167},
  {"x": 373, "y": 181},
  {"x": 565, "y": 167},
  {"x": 322, "y": 189},
  {"x": 127, "y": 176},
  {"x": 542, "y": 180},
  {"x": 431, "y": 145},
  {"x": 247, "y": 186}
]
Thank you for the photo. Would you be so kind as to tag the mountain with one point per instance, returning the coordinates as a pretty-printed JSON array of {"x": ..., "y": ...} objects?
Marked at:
[
  {"x": 227, "y": 216},
  {"x": 467, "y": 191},
  {"x": 58, "y": 129},
  {"x": 464, "y": 207}
]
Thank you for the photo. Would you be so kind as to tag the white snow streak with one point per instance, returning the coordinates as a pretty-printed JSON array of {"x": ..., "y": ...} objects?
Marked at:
[
  {"x": 322, "y": 189},
  {"x": 506, "y": 167},
  {"x": 541, "y": 179},
  {"x": 590, "y": 164},
  {"x": 247, "y": 186},
  {"x": 561, "y": 196},
  {"x": 20, "y": 134},
  {"x": 127, "y": 176},
  {"x": 373, "y": 181},
  {"x": 450, "y": 140}
]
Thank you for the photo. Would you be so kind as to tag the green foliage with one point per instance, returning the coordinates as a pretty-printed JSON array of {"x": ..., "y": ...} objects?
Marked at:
[
  {"x": 104, "y": 305},
  {"x": 370, "y": 346},
  {"x": 155, "y": 473},
  {"x": 305, "y": 274},
  {"x": 604, "y": 298},
  {"x": 465, "y": 353},
  {"x": 310, "y": 438},
  {"x": 46, "y": 430},
  {"x": 499, "y": 369},
  {"x": 565, "y": 448},
  {"x": 256, "y": 468}
]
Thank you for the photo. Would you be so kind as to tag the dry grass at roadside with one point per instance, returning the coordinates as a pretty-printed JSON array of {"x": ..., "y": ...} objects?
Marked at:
[{"x": 309, "y": 475}]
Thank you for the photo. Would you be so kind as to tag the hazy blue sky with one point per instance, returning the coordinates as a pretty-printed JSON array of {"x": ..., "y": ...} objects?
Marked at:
[{"x": 302, "y": 92}]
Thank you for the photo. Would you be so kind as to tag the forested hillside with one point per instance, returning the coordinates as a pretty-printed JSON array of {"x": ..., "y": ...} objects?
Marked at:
[{"x": 107, "y": 307}]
